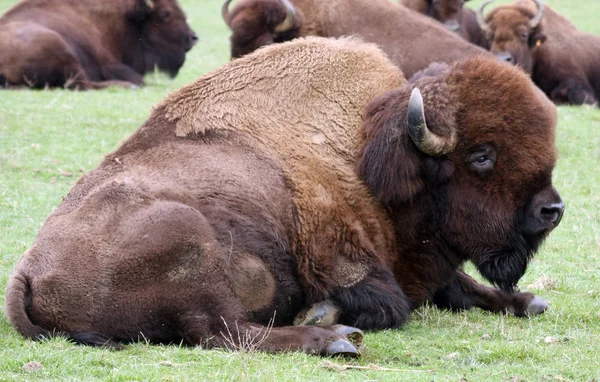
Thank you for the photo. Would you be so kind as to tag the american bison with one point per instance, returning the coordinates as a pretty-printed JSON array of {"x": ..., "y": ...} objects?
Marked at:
[
  {"x": 453, "y": 15},
  {"x": 411, "y": 40},
  {"x": 91, "y": 44},
  {"x": 562, "y": 61},
  {"x": 263, "y": 188}
]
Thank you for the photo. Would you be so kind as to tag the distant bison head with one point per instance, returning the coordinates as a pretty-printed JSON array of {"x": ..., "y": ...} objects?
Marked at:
[
  {"x": 513, "y": 32},
  {"x": 465, "y": 167},
  {"x": 255, "y": 23},
  {"x": 165, "y": 35}
]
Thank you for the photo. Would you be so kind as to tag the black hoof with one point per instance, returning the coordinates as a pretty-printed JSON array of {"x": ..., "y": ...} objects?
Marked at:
[
  {"x": 536, "y": 306},
  {"x": 342, "y": 347},
  {"x": 323, "y": 313}
]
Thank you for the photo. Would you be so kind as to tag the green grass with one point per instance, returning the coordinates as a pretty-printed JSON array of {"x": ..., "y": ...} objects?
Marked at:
[{"x": 49, "y": 138}]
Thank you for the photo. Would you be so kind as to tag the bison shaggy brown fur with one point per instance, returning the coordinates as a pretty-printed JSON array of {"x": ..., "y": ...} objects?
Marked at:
[
  {"x": 412, "y": 41},
  {"x": 264, "y": 187},
  {"x": 562, "y": 60},
  {"x": 453, "y": 15},
  {"x": 87, "y": 44}
]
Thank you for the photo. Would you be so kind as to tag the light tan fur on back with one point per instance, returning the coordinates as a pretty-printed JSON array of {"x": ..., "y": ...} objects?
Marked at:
[{"x": 308, "y": 118}]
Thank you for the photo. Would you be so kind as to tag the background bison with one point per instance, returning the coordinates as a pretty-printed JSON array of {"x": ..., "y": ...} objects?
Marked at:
[
  {"x": 453, "y": 15},
  {"x": 412, "y": 41},
  {"x": 563, "y": 61},
  {"x": 239, "y": 201},
  {"x": 91, "y": 44}
]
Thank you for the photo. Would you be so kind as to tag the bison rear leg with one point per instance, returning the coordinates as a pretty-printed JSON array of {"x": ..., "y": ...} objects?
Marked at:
[
  {"x": 35, "y": 56},
  {"x": 193, "y": 285},
  {"x": 465, "y": 292}
]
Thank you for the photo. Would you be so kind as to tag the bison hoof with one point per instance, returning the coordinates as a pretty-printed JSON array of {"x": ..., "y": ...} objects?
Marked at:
[
  {"x": 536, "y": 306},
  {"x": 342, "y": 347},
  {"x": 354, "y": 335},
  {"x": 323, "y": 313}
]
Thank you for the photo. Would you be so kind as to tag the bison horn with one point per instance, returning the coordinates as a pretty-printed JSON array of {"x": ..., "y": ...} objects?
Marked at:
[
  {"x": 225, "y": 12},
  {"x": 534, "y": 22},
  {"x": 149, "y": 4},
  {"x": 480, "y": 19},
  {"x": 290, "y": 17},
  {"x": 425, "y": 140}
]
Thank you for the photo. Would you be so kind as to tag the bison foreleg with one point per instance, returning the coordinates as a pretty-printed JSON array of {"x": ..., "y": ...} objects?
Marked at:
[
  {"x": 376, "y": 302},
  {"x": 465, "y": 292}
]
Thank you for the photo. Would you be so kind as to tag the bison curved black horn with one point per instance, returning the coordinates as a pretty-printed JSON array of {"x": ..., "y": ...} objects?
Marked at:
[
  {"x": 290, "y": 17},
  {"x": 480, "y": 19},
  {"x": 425, "y": 140},
  {"x": 225, "y": 12},
  {"x": 534, "y": 22}
]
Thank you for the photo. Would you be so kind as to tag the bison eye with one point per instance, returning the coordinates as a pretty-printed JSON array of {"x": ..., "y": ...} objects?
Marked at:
[
  {"x": 524, "y": 36},
  {"x": 482, "y": 159},
  {"x": 165, "y": 15}
]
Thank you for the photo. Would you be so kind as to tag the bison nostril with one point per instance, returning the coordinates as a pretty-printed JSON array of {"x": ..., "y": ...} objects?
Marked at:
[
  {"x": 553, "y": 213},
  {"x": 194, "y": 37},
  {"x": 505, "y": 56}
]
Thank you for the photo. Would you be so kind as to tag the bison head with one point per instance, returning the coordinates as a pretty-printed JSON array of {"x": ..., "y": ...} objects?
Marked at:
[
  {"x": 448, "y": 12},
  {"x": 255, "y": 23},
  {"x": 462, "y": 159},
  {"x": 514, "y": 32},
  {"x": 164, "y": 34}
]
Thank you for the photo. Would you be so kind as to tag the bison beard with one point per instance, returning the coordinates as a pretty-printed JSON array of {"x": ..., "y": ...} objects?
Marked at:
[{"x": 505, "y": 267}]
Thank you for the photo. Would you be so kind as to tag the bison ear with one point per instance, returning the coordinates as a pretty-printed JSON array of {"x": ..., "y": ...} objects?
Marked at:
[
  {"x": 537, "y": 39},
  {"x": 399, "y": 159},
  {"x": 140, "y": 10},
  {"x": 389, "y": 162}
]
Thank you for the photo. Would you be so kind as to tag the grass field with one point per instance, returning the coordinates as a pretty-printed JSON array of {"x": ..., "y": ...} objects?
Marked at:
[{"x": 48, "y": 139}]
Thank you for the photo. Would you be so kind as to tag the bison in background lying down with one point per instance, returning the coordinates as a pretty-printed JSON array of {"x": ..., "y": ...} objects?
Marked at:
[
  {"x": 411, "y": 40},
  {"x": 263, "y": 188},
  {"x": 91, "y": 44},
  {"x": 563, "y": 61}
]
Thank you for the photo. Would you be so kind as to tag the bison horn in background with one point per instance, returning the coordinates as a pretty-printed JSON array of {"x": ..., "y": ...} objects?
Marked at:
[
  {"x": 225, "y": 12},
  {"x": 290, "y": 17},
  {"x": 425, "y": 140},
  {"x": 480, "y": 19},
  {"x": 286, "y": 25},
  {"x": 540, "y": 14}
]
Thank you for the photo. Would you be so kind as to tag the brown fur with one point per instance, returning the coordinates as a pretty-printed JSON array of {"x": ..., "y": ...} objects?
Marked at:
[
  {"x": 90, "y": 44},
  {"x": 412, "y": 41},
  {"x": 221, "y": 176},
  {"x": 453, "y": 15},
  {"x": 562, "y": 60},
  {"x": 235, "y": 178}
]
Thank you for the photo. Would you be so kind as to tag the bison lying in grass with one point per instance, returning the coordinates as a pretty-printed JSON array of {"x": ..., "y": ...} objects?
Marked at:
[
  {"x": 412, "y": 41},
  {"x": 563, "y": 61},
  {"x": 263, "y": 188},
  {"x": 91, "y": 44}
]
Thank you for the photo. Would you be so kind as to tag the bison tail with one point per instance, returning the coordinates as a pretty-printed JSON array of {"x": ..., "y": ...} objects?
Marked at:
[{"x": 18, "y": 299}]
